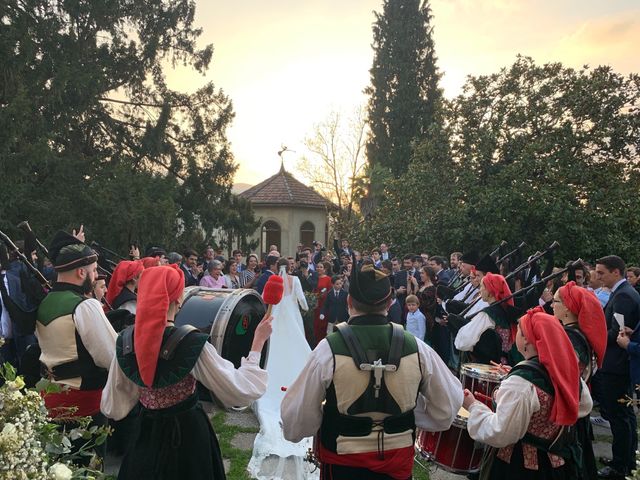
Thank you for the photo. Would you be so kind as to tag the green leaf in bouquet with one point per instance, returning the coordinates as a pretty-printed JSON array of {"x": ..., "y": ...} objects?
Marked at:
[{"x": 8, "y": 372}]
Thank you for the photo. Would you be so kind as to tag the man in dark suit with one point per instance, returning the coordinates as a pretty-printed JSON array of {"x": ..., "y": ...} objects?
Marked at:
[
  {"x": 191, "y": 269},
  {"x": 438, "y": 263},
  {"x": 335, "y": 308},
  {"x": 385, "y": 254},
  {"x": 401, "y": 281},
  {"x": 271, "y": 265},
  {"x": 612, "y": 381}
]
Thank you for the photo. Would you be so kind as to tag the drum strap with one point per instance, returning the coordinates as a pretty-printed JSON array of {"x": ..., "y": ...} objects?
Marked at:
[
  {"x": 375, "y": 366},
  {"x": 174, "y": 340},
  {"x": 355, "y": 349},
  {"x": 357, "y": 352},
  {"x": 170, "y": 345}
]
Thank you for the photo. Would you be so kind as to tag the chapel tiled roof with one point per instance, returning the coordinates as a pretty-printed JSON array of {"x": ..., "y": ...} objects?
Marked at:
[{"x": 283, "y": 189}]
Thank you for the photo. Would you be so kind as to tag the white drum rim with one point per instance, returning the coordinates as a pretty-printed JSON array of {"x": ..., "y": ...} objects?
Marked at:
[{"x": 466, "y": 370}]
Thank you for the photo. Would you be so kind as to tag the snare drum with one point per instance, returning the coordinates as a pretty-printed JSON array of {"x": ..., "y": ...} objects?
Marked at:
[
  {"x": 478, "y": 377},
  {"x": 453, "y": 450}
]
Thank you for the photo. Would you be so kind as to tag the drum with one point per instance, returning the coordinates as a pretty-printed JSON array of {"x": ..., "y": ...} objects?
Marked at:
[
  {"x": 478, "y": 377},
  {"x": 230, "y": 317},
  {"x": 453, "y": 450}
]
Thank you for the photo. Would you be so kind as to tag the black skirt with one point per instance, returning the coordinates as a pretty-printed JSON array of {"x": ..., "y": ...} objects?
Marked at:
[
  {"x": 173, "y": 443},
  {"x": 515, "y": 469},
  {"x": 589, "y": 469}
]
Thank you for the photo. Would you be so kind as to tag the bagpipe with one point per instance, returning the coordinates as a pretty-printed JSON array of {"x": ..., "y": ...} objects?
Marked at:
[
  {"x": 107, "y": 259},
  {"x": 447, "y": 292},
  {"x": 522, "y": 298},
  {"x": 22, "y": 302},
  {"x": 460, "y": 308}
]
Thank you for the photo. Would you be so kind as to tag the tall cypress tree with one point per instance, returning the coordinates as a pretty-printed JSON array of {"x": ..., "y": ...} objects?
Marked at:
[{"x": 404, "y": 89}]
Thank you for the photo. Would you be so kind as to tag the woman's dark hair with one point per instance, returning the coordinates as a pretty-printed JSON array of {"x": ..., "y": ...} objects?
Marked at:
[
  {"x": 227, "y": 265},
  {"x": 283, "y": 262},
  {"x": 430, "y": 273}
]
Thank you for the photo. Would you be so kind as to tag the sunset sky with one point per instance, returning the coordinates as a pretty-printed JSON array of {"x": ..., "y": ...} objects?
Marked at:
[{"x": 286, "y": 64}]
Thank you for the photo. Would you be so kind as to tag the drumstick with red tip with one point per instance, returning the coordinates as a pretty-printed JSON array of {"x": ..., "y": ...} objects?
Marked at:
[
  {"x": 272, "y": 293},
  {"x": 488, "y": 401}
]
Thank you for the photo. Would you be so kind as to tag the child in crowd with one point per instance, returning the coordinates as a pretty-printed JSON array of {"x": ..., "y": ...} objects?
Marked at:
[{"x": 416, "y": 321}]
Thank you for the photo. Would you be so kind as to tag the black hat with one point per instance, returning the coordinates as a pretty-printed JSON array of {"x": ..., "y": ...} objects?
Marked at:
[
  {"x": 471, "y": 257},
  {"x": 155, "y": 252},
  {"x": 67, "y": 252},
  {"x": 369, "y": 285},
  {"x": 486, "y": 265}
]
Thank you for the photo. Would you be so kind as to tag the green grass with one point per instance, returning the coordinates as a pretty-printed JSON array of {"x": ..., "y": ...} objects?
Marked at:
[
  {"x": 239, "y": 458},
  {"x": 420, "y": 473}
]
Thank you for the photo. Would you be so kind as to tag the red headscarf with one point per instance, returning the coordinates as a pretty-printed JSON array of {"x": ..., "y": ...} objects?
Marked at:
[
  {"x": 556, "y": 353},
  {"x": 149, "y": 262},
  {"x": 158, "y": 287},
  {"x": 125, "y": 271},
  {"x": 497, "y": 287},
  {"x": 586, "y": 306}
]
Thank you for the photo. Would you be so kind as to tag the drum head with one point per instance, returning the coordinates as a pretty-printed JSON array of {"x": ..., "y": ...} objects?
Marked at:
[
  {"x": 230, "y": 317},
  {"x": 481, "y": 371}
]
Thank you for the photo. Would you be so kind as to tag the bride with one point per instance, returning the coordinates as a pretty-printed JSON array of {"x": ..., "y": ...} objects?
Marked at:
[{"x": 273, "y": 456}]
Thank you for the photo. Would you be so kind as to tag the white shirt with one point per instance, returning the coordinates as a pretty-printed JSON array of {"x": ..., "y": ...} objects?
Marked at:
[
  {"x": 234, "y": 387},
  {"x": 618, "y": 283},
  {"x": 439, "y": 399},
  {"x": 469, "y": 335},
  {"x": 516, "y": 401}
]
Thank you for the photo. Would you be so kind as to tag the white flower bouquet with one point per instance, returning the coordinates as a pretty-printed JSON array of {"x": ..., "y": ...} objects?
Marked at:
[{"x": 31, "y": 447}]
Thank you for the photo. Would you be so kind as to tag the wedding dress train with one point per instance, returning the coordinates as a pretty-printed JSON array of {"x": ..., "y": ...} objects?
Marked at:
[{"x": 274, "y": 457}]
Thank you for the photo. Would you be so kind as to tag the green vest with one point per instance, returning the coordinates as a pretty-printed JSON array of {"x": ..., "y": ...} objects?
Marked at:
[
  {"x": 64, "y": 356},
  {"x": 354, "y": 419}
]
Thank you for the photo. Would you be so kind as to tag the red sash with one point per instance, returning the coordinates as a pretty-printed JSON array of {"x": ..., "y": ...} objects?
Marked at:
[
  {"x": 397, "y": 463},
  {"x": 87, "y": 402}
]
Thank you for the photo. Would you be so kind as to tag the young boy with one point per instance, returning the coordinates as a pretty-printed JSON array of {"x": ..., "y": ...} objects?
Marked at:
[
  {"x": 335, "y": 306},
  {"x": 416, "y": 321}
]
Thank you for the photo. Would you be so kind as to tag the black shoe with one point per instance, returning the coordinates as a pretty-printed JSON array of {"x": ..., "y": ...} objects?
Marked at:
[{"x": 610, "y": 473}]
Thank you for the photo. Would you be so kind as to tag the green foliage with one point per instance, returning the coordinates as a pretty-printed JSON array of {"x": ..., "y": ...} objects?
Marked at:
[
  {"x": 532, "y": 152},
  {"x": 404, "y": 93},
  {"x": 91, "y": 133}
]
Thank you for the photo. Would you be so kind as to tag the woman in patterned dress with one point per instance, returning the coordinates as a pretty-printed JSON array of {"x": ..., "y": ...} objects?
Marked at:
[
  {"x": 540, "y": 397},
  {"x": 173, "y": 437}
]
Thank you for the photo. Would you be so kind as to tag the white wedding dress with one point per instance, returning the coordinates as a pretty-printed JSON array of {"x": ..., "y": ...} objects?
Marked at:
[{"x": 273, "y": 456}]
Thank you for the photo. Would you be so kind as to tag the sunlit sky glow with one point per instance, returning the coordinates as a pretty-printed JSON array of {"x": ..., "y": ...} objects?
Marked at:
[{"x": 286, "y": 64}]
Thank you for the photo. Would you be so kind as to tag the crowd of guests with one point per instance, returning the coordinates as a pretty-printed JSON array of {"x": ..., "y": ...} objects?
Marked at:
[{"x": 466, "y": 307}]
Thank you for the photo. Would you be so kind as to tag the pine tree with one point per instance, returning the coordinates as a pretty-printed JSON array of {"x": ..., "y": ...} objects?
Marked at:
[{"x": 404, "y": 91}]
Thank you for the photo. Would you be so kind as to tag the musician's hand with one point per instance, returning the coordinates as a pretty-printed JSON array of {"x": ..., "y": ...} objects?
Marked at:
[
  {"x": 467, "y": 399},
  {"x": 627, "y": 331},
  {"x": 134, "y": 252},
  {"x": 402, "y": 290},
  {"x": 262, "y": 333},
  {"x": 79, "y": 234},
  {"x": 623, "y": 340},
  {"x": 547, "y": 296},
  {"x": 500, "y": 367}
]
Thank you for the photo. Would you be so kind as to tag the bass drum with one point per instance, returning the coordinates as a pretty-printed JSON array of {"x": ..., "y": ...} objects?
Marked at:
[{"x": 230, "y": 317}]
